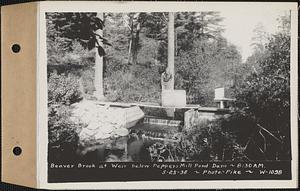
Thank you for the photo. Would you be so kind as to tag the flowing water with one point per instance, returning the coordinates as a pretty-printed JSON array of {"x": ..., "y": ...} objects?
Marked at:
[{"x": 133, "y": 147}]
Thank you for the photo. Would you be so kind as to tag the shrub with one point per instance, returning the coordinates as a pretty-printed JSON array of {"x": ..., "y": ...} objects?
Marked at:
[
  {"x": 205, "y": 143},
  {"x": 63, "y": 89},
  {"x": 137, "y": 85},
  {"x": 264, "y": 99},
  {"x": 87, "y": 78},
  {"x": 212, "y": 142},
  {"x": 62, "y": 133}
]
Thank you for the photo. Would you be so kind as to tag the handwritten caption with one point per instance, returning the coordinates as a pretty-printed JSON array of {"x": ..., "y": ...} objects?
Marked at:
[{"x": 184, "y": 168}]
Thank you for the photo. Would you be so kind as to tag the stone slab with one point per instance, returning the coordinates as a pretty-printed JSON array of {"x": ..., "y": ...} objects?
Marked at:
[{"x": 173, "y": 98}]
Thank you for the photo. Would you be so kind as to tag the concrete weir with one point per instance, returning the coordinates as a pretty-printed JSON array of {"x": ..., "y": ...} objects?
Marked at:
[
  {"x": 155, "y": 121},
  {"x": 202, "y": 115},
  {"x": 108, "y": 121},
  {"x": 194, "y": 114}
]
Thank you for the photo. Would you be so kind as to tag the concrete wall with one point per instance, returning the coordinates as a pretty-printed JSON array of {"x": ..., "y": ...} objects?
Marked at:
[{"x": 194, "y": 117}]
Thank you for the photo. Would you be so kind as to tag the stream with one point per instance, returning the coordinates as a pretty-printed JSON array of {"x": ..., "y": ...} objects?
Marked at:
[{"x": 131, "y": 148}]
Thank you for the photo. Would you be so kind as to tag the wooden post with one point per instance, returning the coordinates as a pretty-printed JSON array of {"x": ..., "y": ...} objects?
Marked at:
[
  {"x": 171, "y": 50},
  {"x": 171, "y": 46},
  {"x": 99, "y": 65}
]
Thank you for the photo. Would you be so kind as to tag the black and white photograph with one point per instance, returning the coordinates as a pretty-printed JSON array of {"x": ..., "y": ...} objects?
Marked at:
[{"x": 186, "y": 95}]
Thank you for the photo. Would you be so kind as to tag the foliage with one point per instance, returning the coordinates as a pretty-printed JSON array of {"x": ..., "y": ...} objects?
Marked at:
[
  {"x": 87, "y": 80},
  {"x": 153, "y": 25},
  {"x": 70, "y": 40},
  {"x": 139, "y": 44},
  {"x": 119, "y": 55},
  {"x": 63, "y": 50},
  {"x": 209, "y": 64},
  {"x": 127, "y": 78},
  {"x": 264, "y": 98},
  {"x": 117, "y": 31},
  {"x": 77, "y": 26},
  {"x": 285, "y": 23},
  {"x": 259, "y": 129},
  {"x": 63, "y": 89},
  {"x": 205, "y": 60},
  {"x": 204, "y": 143},
  {"x": 192, "y": 26},
  {"x": 192, "y": 72},
  {"x": 136, "y": 85},
  {"x": 62, "y": 132},
  {"x": 260, "y": 38}
]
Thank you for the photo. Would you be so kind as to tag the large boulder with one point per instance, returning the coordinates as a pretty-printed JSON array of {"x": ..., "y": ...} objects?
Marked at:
[{"x": 103, "y": 121}]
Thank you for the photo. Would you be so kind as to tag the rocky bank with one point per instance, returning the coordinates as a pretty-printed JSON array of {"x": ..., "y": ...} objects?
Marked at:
[{"x": 100, "y": 121}]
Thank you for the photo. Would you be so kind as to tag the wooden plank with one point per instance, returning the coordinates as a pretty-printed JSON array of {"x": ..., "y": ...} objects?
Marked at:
[
  {"x": 155, "y": 105},
  {"x": 151, "y": 105}
]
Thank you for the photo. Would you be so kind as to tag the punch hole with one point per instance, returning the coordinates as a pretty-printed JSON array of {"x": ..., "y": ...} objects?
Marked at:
[
  {"x": 17, "y": 151},
  {"x": 16, "y": 48}
]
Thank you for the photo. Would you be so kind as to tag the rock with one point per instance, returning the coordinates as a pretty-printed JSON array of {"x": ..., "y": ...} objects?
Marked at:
[
  {"x": 93, "y": 125},
  {"x": 75, "y": 119},
  {"x": 121, "y": 131},
  {"x": 84, "y": 136},
  {"x": 106, "y": 136},
  {"x": 99, "y": 135},
  {"x": 102, "y": 122},
  {"x": 84, "y": 118},
  {"x": 90, "y": 132},
  {"x": 106, "y": 128}
]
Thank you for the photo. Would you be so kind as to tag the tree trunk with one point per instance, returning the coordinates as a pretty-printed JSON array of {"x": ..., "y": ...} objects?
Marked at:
[
  {"x": 99, "y": 65},
  {"x": 131, "y": 40},
  {"x": 171, "y": 52},
  {"x": 136, "y": 44},
  {"x": 171, "y": 48},
  {"x": 129, "y": 51}
]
